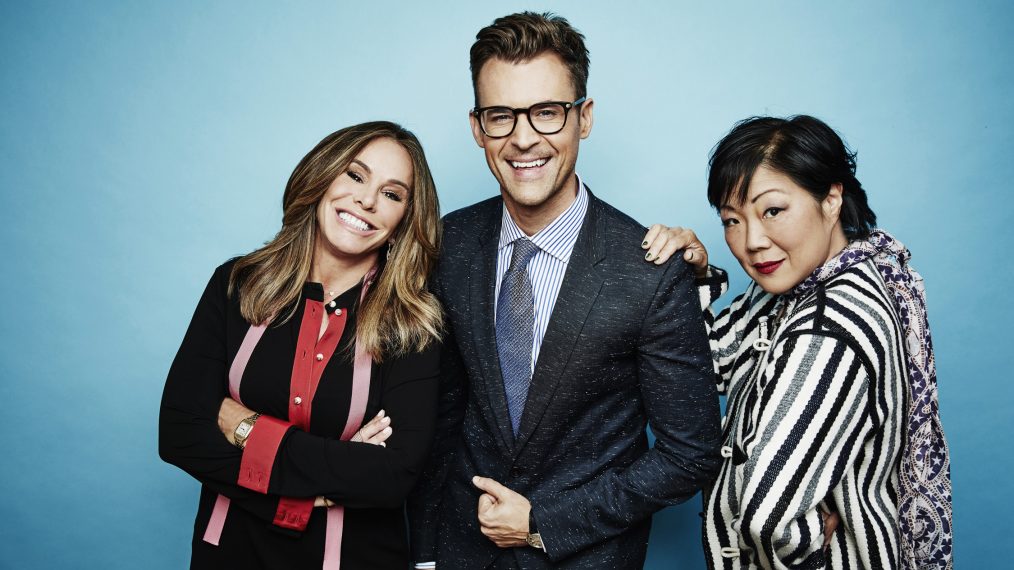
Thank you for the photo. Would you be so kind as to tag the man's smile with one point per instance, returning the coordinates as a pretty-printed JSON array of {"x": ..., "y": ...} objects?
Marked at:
[{"x": 528, "y": 164}]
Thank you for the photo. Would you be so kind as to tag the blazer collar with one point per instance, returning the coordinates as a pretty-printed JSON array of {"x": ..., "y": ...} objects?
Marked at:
[
  {"x": 578, "y": 292},
  {"x": 482, "y": 286}
]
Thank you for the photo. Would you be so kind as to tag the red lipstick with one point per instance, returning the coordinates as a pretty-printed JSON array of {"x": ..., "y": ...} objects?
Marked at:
[{"x": 768, "y": 267}]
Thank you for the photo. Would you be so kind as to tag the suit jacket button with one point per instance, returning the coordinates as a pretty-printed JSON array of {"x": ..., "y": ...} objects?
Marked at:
[{"x": 515, "y": 472}]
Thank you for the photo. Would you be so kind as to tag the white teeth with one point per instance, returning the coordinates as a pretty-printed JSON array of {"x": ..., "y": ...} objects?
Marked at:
[
  {"x": 353, "y": 221},
  {"x": 531, "y": 164}
]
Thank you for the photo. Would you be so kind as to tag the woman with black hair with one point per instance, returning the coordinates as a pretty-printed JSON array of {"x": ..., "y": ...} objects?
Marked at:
[{"x": 826, "y": 361}]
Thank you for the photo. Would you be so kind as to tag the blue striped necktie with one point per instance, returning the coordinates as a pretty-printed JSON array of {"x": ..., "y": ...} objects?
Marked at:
[{"x": 515, "y": 323}]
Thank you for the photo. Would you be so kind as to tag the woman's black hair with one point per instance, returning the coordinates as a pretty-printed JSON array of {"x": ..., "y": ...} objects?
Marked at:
[{"x": 803, "y": 148}]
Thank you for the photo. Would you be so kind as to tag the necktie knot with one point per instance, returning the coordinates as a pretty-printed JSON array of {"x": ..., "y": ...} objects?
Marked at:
[{"x": 524, "y": 250}]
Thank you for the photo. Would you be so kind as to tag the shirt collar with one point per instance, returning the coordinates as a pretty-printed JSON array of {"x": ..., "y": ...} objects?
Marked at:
[{"x": 556, "y": 239}]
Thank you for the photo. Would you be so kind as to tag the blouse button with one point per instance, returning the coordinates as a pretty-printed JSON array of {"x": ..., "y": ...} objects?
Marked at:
[
  {"x": 297, "y": 400},
  {"x": 726, "y": 451},
  {"x": 332, "y": 304},
  {"x": 338, "y": 312},
  {"x": 320, "y": 357}
]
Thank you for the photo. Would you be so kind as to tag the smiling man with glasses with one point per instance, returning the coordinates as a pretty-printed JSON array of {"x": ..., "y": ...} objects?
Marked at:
[{"x": 562, "y": 344}]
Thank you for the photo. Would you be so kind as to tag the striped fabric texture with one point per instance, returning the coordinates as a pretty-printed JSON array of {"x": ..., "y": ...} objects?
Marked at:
[
  {"x": 815, "y": 420},
  {"x": 548, "y": 266}
]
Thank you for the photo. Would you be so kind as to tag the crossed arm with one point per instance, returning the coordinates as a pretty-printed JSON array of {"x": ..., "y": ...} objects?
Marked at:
[
  {"x": 197, "y": 421},
  {"x": 375, "y": 432}
]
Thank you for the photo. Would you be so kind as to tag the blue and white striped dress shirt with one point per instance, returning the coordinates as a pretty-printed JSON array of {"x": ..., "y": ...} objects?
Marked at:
[{"x": 548, "y": 266}]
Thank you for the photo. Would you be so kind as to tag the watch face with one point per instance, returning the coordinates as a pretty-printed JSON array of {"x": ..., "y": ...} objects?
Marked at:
[{"x": 244, "y": 429}]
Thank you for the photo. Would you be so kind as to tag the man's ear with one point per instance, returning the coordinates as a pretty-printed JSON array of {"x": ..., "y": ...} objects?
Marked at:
[
  {"x": 587, "y": 117},
  {"x": 832, "y": 203},
  {"x": 476, "y": 130}
]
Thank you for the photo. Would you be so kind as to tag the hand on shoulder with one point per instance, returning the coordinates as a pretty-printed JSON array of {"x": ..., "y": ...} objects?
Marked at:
[{"x": 661, "y": 242}]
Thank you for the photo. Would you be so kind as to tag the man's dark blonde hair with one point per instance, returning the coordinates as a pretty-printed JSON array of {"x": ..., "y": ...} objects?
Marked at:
[
  {"x": 520, "y": 37},
  {"x": 399, "y": 314}
]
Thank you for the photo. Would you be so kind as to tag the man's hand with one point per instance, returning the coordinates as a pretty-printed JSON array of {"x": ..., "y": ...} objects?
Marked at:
[{"x": 503, "y": 514}]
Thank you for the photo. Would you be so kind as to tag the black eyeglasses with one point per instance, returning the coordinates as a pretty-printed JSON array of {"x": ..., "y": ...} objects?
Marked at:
[{"x": 546, "y": 118}]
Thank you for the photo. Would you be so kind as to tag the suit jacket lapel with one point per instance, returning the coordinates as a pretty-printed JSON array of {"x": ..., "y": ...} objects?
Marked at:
[
  {"x": 581, "y": 285},
  {"x": 481, "y": 291}
]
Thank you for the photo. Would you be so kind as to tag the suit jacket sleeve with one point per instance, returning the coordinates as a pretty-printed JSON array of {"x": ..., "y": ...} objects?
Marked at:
[{"x": 677, "y": 384}]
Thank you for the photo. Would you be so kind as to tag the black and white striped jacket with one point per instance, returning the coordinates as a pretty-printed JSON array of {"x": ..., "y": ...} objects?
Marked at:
[{"x": 815, "y": 419}]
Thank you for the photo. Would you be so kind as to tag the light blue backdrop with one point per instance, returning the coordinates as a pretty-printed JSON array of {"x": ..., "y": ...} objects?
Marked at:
[{"x": 143, "y": 145}]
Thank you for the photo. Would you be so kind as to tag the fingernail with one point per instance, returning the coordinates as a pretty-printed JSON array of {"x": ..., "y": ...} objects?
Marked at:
[
  {"x": 644, "y": 243},
  {"x": 387, "y": 430},
  {"x": 380, "y": 414},
  {"x": 648, "y": 256},
  {"x": 475, "y": 480},
  {"x": 386, "y": 420},
  {"x": 691, "y": 258},
  {"x": 383, "y": 444}
]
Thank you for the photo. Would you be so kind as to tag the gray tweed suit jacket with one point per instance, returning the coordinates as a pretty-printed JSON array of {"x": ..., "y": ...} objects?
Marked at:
[{"x": 625, "y": 348}]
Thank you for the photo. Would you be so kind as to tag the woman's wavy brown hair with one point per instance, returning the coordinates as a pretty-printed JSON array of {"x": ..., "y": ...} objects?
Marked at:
[{"x": 399, "y": 314}]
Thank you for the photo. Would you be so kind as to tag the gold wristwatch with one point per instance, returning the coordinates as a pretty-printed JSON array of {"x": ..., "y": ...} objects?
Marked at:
[
  {"x": 243, "y": 430},
  {"x": 534, "y": 539}
]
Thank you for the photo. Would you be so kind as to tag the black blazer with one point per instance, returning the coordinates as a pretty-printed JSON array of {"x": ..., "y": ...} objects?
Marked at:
[{"x": 625, "y": 348}]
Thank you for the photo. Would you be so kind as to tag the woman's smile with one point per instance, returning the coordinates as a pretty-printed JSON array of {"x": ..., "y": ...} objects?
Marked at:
[
  {"x": 768, "y": 267},
  {"x": 355, "y": 222}
]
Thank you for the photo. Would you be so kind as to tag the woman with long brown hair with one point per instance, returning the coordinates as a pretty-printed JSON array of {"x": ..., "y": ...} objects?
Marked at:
[{"x": 293, "y": 345}]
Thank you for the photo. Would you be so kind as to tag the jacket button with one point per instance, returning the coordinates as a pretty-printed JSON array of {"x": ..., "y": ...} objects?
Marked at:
[
  {"x": 515, "y": 472},
  {"x": 730, "y": 552}
]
